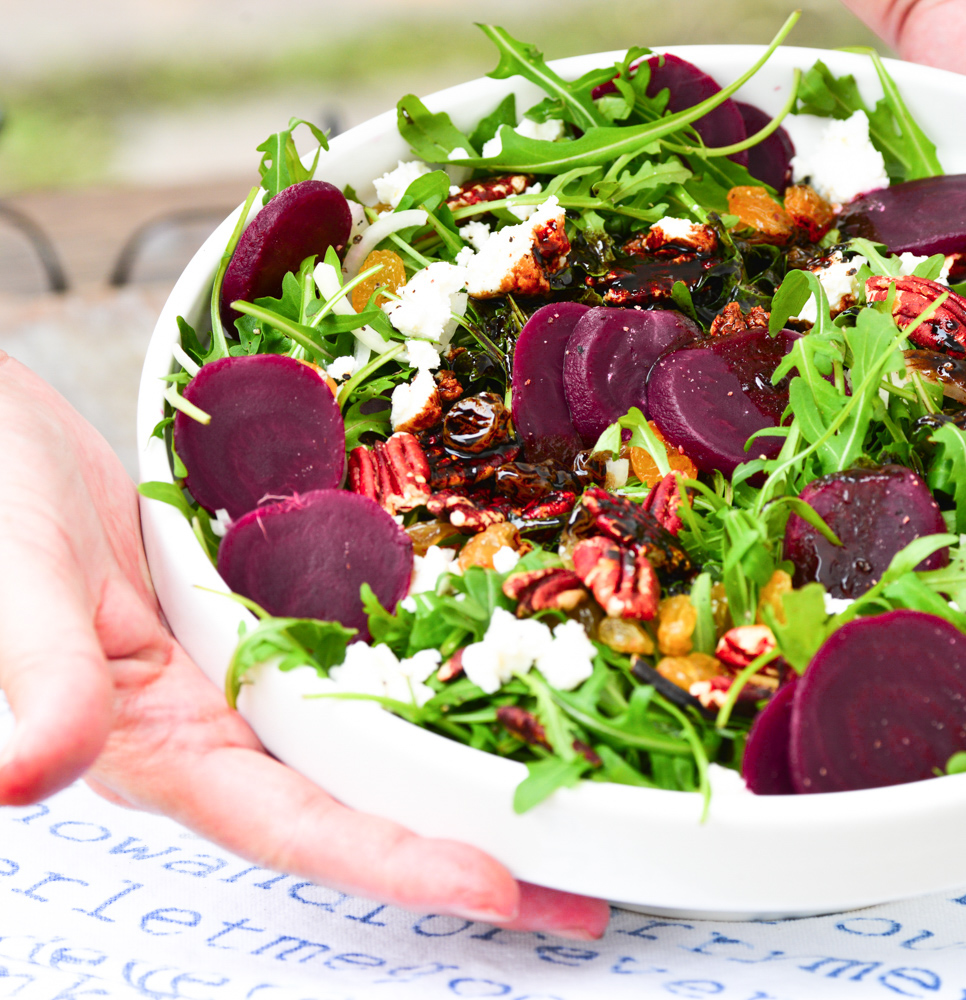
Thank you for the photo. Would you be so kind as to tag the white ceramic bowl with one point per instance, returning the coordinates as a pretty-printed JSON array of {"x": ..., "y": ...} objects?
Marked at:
[{"x": 754, "y": 856}]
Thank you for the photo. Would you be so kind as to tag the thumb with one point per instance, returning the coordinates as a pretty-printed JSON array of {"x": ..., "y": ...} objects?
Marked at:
[{"x": 52, "y": 669}]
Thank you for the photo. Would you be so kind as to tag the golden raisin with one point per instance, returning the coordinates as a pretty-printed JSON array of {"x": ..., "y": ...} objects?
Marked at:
[
  {"x": 677, "y": 618},
  {"x": 392, "y": 277},
  {"x": 757, "y": 210},
  {"x": 647, "y": 471},
  {"x": 426, "y": 533},
  {"x": 771, "y": 595},
  {"x": 686, "y": 670},
  {"x": 481, "y": 548},
  {"x": 625, "y": 636},
  {"x": 809, "y": 210}
]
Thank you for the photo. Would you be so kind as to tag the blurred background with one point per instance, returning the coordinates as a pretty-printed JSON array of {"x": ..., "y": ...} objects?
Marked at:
[{"x": 128, "y": 130}]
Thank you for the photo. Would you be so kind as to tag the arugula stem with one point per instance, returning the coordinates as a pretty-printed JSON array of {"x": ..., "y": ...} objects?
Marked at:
[
  {"x": 219, "y": 342},
  {"x": 178, "y": 402},
  {"x": 360, "y": 376},
  {"x": 290, "y": 329},
  {"x": 724, "y": 713}
]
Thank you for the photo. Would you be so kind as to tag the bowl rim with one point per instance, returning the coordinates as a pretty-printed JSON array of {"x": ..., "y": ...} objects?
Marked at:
[{"x": 178, "y": 574}]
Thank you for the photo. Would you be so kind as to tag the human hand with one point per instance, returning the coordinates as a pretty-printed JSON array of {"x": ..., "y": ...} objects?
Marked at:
[
  {"x": 932, "y": 32},
  {"x": 97, "y": 682}
]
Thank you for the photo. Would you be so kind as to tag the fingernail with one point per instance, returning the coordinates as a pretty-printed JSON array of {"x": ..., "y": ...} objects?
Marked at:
[
  {"x": 575, "y": 933},
  {"x": 485, "y": 916}
]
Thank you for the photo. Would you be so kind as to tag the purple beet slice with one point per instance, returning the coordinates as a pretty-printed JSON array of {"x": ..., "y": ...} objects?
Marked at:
[
  {"x": 771, "y": 159},
  {"x": 883, "y": 702},
  {"x": 608, "y": 358},
  {"x": 275, "y": 430},
  {"x": 926, "y": 216},
  {"x": 687, "y": 85},
  {"x": 537, "y": 400},
  {"x": 304, "y": 219},
  {"x": 709, "y": 398},
  {"x": 765, "y": 765},
  {"x": 875, "y": 513},
  {"x": 308, "y": 555}
]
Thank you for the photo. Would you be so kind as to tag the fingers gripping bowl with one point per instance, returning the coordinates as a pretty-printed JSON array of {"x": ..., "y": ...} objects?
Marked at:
[{"x": 753, "y": 856}]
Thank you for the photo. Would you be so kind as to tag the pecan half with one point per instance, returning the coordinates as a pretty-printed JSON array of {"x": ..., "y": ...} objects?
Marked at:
[
  {"x": 744, "y": 643},
  {"x": 623, "y": 582},
  {"x": 525, "y": 726},
  {"x": 394, "y": 473},
  {"x": 945, "y": 330},
  {"x": 732, "y": 320},
  {"x": 476, "y": 423},
  {"x": 492, "y": 189},
  {"x": 662, "y": 504},
  {"x": 469, "y": 514},
  {"x": 542, "y": 589},
  {"x": 698, "y": 239}
]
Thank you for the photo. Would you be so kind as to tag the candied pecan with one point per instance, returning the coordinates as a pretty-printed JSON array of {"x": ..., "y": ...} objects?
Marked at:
[
  {"x": 448, "y": 386},
  {"x": 699, "y": 239},
  {"x": 713, "y": 693},
  {"x": 469, "y": 514},
  {"x": 588, "y": 753},
  {"x": 523, "y": 725},
  {"x": 394, "y": 473},
  {"x": 640, "y": 279},
  {"x": 491, "y": 189},
  {"x": 945, "y": 330},
  {"x": 624, "y": 583},
  {"x": 732, "y": 320},
  {"x": 553, "y": 507},
  {"x": 449, "y": 469},
  {"x": 551, "y": 245},
  {"x": 452, "y": 668},
  {"x": 744, "y": 643},
  {"x": 524, "y": 482},
  {"x": 476, "y": 423},
  {"x": 623, "y": 521},
  {"x": 542, "y": 589},
  {"x": 662, "y": 504}
]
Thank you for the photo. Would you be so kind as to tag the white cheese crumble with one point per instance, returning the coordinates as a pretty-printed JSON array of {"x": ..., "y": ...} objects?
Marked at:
[
  {"x": 420, "y": 354},
  {"x": 505, "y": 559},
  {"x": 569, "y": 660},
  {"x": 221, "y": 522},
  {"x": 392, "y": 185},
  {"x": 505, "y": 249},
  {"x": 428, "y": 569},
  {"x": 343, "y": 367},
  {"x": 548, "y": 131},
  {"x": 459, "y": 154},
  {"x": 376, "y": 670},
  {"x": 678, "y": 229},
  {"x": 840, "y": 281},
  {"x": 428, "y": 301},
  {"x": 523, "y": 212},
  {"x": 842, "y": 163},
  {"x": 910, "y": 261},
  {"x": 836, "y": 605},
  {"x": 494, "y": 146},
  {"x": 410, "y": 399},
  {"x": 510, "y": 645},
  {"x": 475, "y": 233}
]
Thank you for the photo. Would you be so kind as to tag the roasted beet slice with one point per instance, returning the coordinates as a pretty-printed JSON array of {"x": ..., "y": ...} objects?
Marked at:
[
  {"x": 308, "y": 556},
  {"x": 609, "y": 356},
  {"x": 771, "y": 159},
  {"x": 304, "y": 219},
  {"x": 687, "y": 85},
  {"x": 875, "y": 513},
  {"x": 708, "y": 399},
  {"x": 765, "y": 765},
  {"x": 275, "y": 430},
  {"x": 926, "y": 216},
  {"x": 882, "y": 702},
  {"x": 537, "y": 401}
]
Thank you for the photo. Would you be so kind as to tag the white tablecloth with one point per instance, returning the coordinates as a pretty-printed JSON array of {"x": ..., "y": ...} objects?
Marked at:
[{"x": 98, "y": 901}]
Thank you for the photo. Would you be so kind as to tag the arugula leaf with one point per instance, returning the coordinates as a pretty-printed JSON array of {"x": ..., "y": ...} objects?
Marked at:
[
  {"x": 523, "y": 59},
  {"x": 544, "y": 778},
  {"x": 432, "y": 136},
  {"x": 281, "y": 166},
  {"x": 505, "y": 113},
  {"x": 947, "y": 471},
  {"x": 167, "y": 493},
  {"x": 804, "y": 629}
]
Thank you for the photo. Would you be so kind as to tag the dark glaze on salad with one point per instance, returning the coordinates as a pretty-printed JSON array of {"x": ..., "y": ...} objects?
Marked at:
[{"x": 652, "y": 433}]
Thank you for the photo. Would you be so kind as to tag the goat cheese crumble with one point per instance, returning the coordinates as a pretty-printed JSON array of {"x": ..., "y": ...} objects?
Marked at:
[
  {"x": 843, "y": 163},
  {"x": 391, "y": 187},
  {"x": 376, "y": 670},
  {"x": 428, "y": 302},
  {"x": 841, "y": 283}
]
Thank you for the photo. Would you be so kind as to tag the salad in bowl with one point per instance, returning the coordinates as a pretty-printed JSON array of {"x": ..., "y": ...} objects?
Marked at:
[{"x": 583, "y": 450}]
